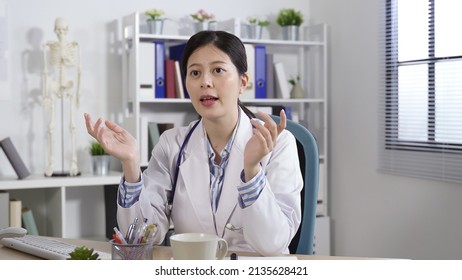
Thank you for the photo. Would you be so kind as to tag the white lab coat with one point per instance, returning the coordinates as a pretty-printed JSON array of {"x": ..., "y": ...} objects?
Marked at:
[{"x": 267, "y": 226}]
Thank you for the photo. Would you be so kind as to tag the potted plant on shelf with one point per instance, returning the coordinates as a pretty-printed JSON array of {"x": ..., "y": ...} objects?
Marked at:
[
  {"x": 155, "y": 21},
  {"x": 202, "y": 20},
  {"x": 297, "y": 91},
  {"x": 255, "y": 27},
  {"x": 100, "y": 159},
  {"x": 290, "y": 21}
]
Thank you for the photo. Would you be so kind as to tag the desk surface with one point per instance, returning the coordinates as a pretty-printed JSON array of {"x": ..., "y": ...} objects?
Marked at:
[{"x": 159, "y": 253}]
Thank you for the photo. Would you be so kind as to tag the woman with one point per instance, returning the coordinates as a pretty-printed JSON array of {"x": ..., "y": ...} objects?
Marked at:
[{"x": 233, "y": 175}]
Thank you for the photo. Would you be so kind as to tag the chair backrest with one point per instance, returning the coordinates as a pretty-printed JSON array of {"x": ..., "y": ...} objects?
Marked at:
[{"x": 308, "y": 154}]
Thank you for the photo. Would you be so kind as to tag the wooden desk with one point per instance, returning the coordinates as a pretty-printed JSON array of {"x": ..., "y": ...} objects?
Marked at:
[{"x": 159, "y": 253}]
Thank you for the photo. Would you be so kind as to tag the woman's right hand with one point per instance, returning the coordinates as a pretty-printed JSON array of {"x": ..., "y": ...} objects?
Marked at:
[{"x": 117, "y": 142}]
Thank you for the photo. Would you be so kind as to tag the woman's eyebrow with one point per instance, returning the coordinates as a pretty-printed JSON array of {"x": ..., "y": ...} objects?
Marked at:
[{"x": 213, "y": 62}]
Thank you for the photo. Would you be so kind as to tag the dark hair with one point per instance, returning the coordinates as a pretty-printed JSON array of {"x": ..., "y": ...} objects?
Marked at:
[{"x": 227, "y": 43}]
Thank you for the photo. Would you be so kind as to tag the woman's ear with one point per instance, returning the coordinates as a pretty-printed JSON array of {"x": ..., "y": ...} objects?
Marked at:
[{"x": 244, "y": 82}]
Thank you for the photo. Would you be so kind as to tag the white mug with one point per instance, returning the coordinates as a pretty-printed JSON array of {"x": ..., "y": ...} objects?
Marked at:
[{"x": 198, "y": 246}]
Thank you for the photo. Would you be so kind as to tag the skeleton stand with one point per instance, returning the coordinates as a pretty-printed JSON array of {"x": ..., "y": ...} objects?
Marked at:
[{"x": 64, "y": 55}]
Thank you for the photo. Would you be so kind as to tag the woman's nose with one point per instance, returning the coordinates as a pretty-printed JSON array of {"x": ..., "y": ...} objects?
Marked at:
[{"x": 206, "y": 82}]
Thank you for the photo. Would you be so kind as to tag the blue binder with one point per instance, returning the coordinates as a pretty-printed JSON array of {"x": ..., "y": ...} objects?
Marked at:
[
  {"x": 160, "y": 70},
  {"x": 176, "y": 53},
  {"x": 260, "y": 71}
]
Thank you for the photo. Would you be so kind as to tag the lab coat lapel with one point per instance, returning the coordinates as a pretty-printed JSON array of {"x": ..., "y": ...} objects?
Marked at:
[
  {"x": 195, "y": 176},
  {"x": 229, "y": 193}
]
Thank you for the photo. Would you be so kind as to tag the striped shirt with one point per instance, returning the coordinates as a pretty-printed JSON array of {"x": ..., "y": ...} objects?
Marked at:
[
  {"x": 217, "y": 171},
  {"x": 129, "y": 193}
]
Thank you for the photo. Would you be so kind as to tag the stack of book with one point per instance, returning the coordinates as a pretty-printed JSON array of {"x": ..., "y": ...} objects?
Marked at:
[{"x": 12, "y": 214}]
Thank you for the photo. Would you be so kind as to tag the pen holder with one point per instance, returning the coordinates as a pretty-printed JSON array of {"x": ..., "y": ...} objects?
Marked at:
[{"x": 141, "y": 251}]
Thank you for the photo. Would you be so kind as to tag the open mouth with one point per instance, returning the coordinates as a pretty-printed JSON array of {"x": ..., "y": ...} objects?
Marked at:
[{"x": 208, "y": 98}]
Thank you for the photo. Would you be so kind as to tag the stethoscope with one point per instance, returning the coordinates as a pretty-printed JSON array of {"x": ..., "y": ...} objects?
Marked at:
[{"x": 169, "y": 205}]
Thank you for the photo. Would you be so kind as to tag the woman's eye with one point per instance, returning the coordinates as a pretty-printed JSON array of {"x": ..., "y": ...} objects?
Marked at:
[
  {"x": 194, "y": 73},
  {"x": 219, "y": 70}
]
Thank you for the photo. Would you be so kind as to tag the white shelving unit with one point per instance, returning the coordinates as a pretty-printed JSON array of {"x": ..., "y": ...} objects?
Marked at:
[
  {"x": 70, "y": 207},
  {"x": 306, "y": 58}
]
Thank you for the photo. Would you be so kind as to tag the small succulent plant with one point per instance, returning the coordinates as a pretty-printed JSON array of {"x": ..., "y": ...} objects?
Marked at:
[{"x": 83, "y": 253}]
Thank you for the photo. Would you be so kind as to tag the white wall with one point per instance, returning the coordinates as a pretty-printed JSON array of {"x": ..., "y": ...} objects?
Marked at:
[
  {"x": 95, "y": 26},
  {"x": 375, "y": 215}
]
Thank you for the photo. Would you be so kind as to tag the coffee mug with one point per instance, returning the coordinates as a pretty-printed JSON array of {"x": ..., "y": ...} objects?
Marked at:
[{"x": 198, "y": 246}]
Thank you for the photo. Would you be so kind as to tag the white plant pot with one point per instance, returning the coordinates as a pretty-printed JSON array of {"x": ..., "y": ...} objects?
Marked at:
[
  {"x": 291, "y": 32},
  {"x": 156, "y": 26},
  {"x": 101, "y": 164},
  {"x": 205, "y": 25},
  {"x": 254, "y": 31},
  {"x": 297, "y": 92}
]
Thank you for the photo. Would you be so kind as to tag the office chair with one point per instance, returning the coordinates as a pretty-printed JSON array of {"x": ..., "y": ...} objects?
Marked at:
[{"x": 308, "y": 154}]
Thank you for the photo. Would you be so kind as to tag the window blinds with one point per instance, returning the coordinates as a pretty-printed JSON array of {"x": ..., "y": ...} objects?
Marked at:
[{"x": 421, "y": 101}]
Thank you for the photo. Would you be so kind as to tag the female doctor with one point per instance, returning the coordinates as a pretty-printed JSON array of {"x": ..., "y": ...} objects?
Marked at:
[{"x": 228, "y": 173}]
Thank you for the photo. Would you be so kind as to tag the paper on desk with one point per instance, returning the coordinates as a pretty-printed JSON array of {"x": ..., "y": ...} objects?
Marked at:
[{"x": 266, "y": 258}]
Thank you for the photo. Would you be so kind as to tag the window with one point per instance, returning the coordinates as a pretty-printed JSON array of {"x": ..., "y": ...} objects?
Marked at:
[{"x": 422, "y": 100}]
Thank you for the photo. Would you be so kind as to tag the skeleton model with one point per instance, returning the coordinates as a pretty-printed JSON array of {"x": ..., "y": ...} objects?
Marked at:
[{"x": 63, "y": 59}]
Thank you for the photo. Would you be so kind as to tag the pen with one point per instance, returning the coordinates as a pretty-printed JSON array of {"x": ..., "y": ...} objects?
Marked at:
[
  {"x": 140, "y": 234},
  {"x": 119, "y": 236},
  {"x": 130, "y": 232}
]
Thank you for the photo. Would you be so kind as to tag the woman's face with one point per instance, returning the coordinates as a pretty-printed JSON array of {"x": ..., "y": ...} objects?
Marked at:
[{"x": 213, "y": 83}]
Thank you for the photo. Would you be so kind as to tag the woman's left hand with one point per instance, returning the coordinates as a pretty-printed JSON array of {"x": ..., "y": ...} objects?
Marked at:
[{"x": 262, "y": 142}]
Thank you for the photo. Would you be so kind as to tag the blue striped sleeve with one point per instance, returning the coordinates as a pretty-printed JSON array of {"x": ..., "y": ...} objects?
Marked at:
[
  {"x": 250, "y": 191},
  {"x": 129, "y": 193}
]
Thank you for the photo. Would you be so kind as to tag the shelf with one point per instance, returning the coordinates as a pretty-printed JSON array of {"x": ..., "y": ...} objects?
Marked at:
[
  {"x": 41, "y": 182},
  {"x": 286, "y": 43},
  {"x": 245, "y": 101}
]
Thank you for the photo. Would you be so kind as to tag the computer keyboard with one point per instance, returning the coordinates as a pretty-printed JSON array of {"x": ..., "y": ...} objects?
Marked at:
[{"x": 44, "y": 247}]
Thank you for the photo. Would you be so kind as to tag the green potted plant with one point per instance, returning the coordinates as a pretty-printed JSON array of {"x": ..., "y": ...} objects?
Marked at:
[
  {"x": 155, "y": 20},
  {"x": 100, "y": 159},
  {"x": 202, "y": 20},
  {"x": 290, "y": 21},
  {"x": 255, "y": 27},
  {"x": 297, "y": 91},
  {"x": 83, "y": 253}
]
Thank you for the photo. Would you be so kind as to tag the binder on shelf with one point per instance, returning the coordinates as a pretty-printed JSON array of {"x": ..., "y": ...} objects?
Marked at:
[
  {"x": 260, "y": 71},
  {"x": 178, "y": 81},
  {"x": 281, "y": 81},
  {"x": 146, "y": 70},
  {"x": 14, "y": 158},
  {"x": 160, "y": 70},
  {"x": 29, "y": 221},
  {"x": 153, "y": 131},
  {"x": 15, "y": 213},
  {"x": 164, "y": 126},
  {"x": 170, "y": 87},
  {"x": 176, "y": 53},
  {"x": 4, "y": 209},
  {"x": 270, "y": 84},
  {"x": 249, "y": 91}
]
